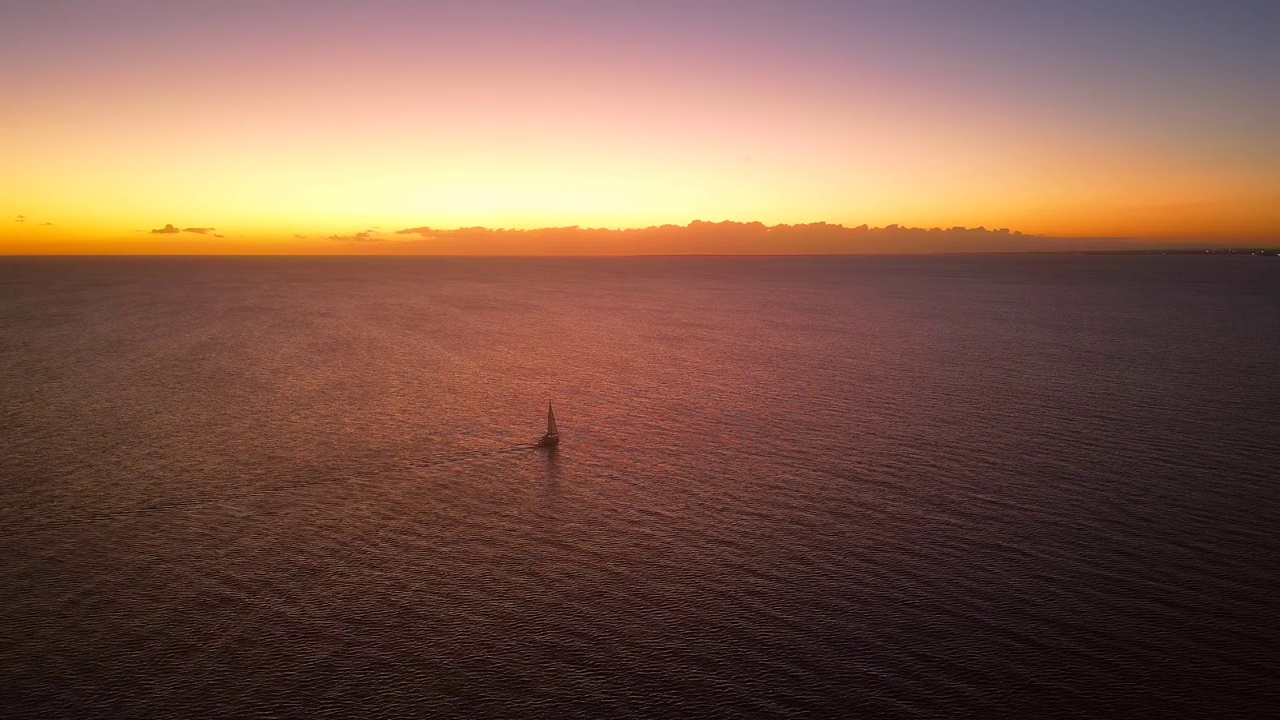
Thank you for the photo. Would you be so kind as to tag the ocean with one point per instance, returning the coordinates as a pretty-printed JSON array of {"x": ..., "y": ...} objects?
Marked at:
[{"x": 915, "y": 487}]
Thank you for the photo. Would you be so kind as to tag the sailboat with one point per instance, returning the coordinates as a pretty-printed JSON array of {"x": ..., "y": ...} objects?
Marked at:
[{"x": 552, "y": 438}]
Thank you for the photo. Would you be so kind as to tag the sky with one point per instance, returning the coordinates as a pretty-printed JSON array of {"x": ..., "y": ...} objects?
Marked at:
[{"x": 318, "y": 126}]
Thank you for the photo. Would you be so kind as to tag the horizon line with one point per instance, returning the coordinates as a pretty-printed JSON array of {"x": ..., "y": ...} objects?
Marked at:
[{"x": 1153, "y": 250}]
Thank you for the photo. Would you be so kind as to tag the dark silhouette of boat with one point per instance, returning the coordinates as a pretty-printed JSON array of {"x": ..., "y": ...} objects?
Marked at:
[{"x": 552, "y": 438}]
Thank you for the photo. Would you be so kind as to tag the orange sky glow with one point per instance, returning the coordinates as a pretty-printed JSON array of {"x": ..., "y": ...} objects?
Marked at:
[{"x": 295, "y": 128}]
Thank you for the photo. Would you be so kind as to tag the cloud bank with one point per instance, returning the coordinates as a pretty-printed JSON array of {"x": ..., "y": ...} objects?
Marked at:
[{"x": 736, "y": 238}]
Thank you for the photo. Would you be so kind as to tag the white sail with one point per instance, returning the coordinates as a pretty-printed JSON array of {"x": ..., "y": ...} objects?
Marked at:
[{"x": 551, "y": 420}]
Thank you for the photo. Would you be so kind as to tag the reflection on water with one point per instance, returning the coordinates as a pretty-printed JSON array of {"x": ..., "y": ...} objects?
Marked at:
[
  {"x": 886, "y": 486},
  {"x": 552, "y": 455}
]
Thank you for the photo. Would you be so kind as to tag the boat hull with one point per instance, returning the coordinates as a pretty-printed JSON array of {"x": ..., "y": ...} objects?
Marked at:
[{"x": 549, "y": 441}]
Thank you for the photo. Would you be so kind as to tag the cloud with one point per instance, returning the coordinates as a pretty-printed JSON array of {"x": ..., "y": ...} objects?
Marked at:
[
  {"x": 20, "y": 218},
  {"x": 169, "y": 229},
  {"x": 300, "y": 237},
  {"x": 217, "y": 235},
  {"x": 423, "y": 231},
  {"x": 362, "y": 236},
  {"x": 45, "y": 224}
]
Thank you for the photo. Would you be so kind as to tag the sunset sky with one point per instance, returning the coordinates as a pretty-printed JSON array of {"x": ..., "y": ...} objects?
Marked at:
[{"x": 265, "y": 126}]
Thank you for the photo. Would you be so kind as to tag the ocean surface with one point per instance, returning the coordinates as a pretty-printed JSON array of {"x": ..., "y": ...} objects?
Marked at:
[{"x": 980, "y": 486}]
